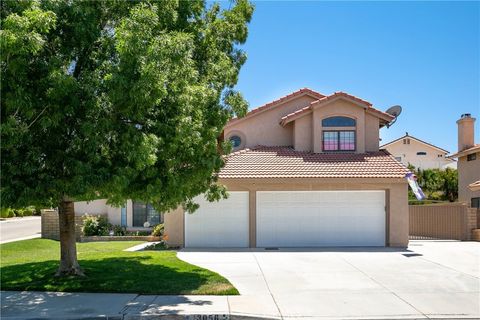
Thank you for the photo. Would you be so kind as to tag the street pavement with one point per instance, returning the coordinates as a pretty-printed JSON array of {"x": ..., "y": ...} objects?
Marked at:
[{"x": 15, "y": 229}]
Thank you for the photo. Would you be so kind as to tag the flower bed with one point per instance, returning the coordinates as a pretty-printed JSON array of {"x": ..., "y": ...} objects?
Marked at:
[{"x": 119, "y": 238}]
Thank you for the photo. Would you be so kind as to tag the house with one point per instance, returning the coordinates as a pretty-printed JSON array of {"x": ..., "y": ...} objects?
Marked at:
[
  {"x": 468, "y": 156},
  {"x": 413, "y": 151},
  {"x": 306, "y": 171}
]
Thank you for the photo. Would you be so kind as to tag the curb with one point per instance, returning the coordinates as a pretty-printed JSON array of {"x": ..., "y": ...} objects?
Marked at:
[{"x": 151, "y": 317}]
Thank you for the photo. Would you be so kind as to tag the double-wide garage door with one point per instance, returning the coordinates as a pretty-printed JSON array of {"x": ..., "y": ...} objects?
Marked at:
[
  {"x": 290, "y": 219},
  {"x": 320, "y": 218}
]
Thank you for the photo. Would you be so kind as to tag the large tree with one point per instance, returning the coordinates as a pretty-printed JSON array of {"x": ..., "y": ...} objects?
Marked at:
[{"x": 118, "y": 100}]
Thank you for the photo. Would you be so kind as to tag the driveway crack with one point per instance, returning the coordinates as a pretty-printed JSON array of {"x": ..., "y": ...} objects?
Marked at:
[
  {"x": 268, "y": 287},
  {"x": 383, "y": 286}
]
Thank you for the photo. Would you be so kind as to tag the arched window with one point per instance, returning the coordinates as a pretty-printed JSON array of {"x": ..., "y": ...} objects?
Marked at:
[
  {"x": 336, "y": 139},
  {"x": 236, "y": 141},
  {"x": 338, "y": 122}
]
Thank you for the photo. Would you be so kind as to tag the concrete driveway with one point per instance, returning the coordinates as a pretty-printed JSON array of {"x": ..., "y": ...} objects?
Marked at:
[{"x": 432, "y": 279}]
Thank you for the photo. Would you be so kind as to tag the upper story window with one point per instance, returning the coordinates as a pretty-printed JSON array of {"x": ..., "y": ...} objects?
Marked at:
[
  {"x": 236, "y": 141},
  {"x": 406, "y": 141},
  {"x": 471, "y": 157},
  {"x": 338, "y": 122},
  {"x": 421, "y": 153},
  {"x": 338, "y": 140}
]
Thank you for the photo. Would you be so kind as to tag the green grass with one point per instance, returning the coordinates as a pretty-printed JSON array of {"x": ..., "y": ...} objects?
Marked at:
[{"x": 31, "y": 264}]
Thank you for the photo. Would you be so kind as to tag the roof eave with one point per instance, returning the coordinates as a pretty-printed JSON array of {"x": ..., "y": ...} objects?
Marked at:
[
  {"x": 268, "y": 106},
  {"x": 465, "y": 152}
]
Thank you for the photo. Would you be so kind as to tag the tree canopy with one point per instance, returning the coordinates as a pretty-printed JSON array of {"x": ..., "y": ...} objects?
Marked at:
[
  {"x": 437, "y": 184},
  {"x": 117, "y": 99}
]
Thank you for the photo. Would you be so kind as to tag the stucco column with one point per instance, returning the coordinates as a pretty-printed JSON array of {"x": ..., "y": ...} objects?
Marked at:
[
  {"x": 398, "y": 215},
  {"x": 252, "y": 209}
]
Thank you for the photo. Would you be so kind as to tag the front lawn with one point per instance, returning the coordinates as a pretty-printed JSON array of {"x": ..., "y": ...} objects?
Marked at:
[{"x": 31, "y": 264}]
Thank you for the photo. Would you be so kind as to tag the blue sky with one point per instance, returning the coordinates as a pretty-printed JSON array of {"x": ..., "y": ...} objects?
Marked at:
[{"x": 424, "y": 56}]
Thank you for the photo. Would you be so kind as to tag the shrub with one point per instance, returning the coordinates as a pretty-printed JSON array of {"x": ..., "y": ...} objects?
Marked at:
[
  {"x": 95, "y": 226},
  {"x": 18, "y": 212},
  {"x": 7, "y": 213},
  {"x": 162, "y": 245},
  {"x": 119, "y": 230},
  {"x": 37, "y": 212},
  {"x": 28, "y": 211},
  {"x": 158, "y": 230}
]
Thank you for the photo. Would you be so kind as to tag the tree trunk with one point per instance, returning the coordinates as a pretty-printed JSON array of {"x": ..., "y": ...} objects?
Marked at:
[{"x": 68, "y": 247}]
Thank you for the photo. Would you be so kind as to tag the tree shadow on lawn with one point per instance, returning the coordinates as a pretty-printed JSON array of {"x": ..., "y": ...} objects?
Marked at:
[{"x": 123, "y": 274}]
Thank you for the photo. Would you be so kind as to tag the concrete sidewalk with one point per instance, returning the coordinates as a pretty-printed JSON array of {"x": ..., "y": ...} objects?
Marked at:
[{"x": 59, "y": 305}]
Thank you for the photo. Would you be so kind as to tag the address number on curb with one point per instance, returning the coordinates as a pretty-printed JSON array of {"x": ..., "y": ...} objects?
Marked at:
[{"x": 207, "y": 317}]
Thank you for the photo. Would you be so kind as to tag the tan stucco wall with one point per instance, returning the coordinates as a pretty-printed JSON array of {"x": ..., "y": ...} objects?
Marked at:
[
  {"x": 468, "y": 172},
  {"x": 264, "y": 128},
  {"x": 396, "y": 193},
  {"x": 372, "y": 133},
  {"x": 339, "y": 108},
  {"x": 174, "y": 227},
  {"x": 408, "y": 153},
  {"x": 303, "y": 134},
  {"x": 91, "y": 207}
]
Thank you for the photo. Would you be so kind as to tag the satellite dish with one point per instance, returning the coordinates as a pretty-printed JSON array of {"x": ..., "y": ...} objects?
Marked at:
[{"x": 394, "y": 111}]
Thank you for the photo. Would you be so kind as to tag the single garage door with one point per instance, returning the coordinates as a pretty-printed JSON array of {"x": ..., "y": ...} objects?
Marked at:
[
  {"x": 320, "y": 218},
  {"x": 219, "y": 224}
]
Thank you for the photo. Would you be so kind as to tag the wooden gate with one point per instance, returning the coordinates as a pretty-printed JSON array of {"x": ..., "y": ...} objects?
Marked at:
[{"x": 453, "y": 221}]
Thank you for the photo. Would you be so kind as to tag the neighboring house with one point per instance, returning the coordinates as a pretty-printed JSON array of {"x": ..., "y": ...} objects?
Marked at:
[
  {"x": 306, "y": 171},
  {"x": 420, "y": 154},
  {"x": 468, "y": 156}
]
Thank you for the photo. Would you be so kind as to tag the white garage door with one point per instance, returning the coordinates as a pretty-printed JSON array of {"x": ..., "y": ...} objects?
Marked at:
[
  {"x": 320, "y": 218},
  {"x": 219, "y": 224}
]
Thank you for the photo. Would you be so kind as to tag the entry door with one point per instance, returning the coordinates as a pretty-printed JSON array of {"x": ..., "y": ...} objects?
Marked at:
[
  {"x": 219, "y": 224},
  {"x": 320, "y": 218}
]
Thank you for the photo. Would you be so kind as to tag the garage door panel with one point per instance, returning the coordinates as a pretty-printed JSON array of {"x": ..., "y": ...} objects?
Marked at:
[
  {"x": 320, "y": 218},
  {"x": 219, "y": 224}
]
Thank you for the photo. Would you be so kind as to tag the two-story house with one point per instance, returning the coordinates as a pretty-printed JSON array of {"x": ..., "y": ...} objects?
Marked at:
[
  {"x": 410, "y": 150},
  {"x": 306, "y": 171},
  {"x": 468, "y": 156}
]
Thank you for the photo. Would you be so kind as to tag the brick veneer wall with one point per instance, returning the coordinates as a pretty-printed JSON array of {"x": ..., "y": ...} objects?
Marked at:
[{"x": 50, "y": 225}]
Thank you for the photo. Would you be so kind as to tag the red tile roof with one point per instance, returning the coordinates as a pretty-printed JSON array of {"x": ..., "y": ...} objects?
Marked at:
[
  {"x": 285, "y": 162},
  {"x": 273, "y": 103},
  {"x": 325, "y": 99},
  {"x": 289, "y": 117}
]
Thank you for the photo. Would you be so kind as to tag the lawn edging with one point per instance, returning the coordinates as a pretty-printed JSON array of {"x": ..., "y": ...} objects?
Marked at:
[{"x": 119, "y": 238}]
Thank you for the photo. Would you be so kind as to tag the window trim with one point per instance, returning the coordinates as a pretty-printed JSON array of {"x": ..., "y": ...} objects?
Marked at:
[
  {"x": 338, "y": 141},
  {"x": 241, "y": 135},
  {"x": 235, "y": 136}
]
